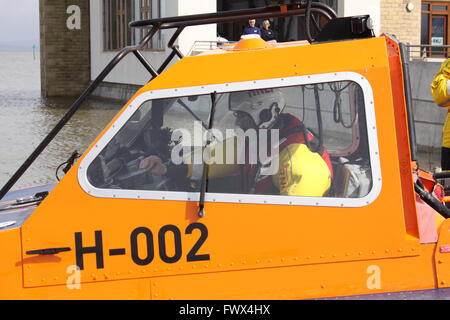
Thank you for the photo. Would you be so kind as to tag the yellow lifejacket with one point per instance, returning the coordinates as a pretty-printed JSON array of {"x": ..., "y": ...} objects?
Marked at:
[
  {"x": 300, "y": 171},
  {"x": 441, "y": 96}
]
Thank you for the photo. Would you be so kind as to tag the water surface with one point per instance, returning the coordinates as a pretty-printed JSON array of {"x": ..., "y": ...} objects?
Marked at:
[{"x": 26, "y": 118}]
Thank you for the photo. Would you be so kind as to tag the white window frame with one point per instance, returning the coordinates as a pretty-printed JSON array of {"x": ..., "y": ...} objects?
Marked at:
[{"x": 233, "y": 197}]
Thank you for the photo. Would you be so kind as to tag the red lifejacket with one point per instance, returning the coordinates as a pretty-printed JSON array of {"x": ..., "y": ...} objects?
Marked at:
[{"x": 292, "y": 131}]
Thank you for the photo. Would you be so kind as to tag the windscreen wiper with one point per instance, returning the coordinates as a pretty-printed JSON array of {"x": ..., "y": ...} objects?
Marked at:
[
  {"x": 197, "y": 117},
  {"x": 204, "y": 186}
]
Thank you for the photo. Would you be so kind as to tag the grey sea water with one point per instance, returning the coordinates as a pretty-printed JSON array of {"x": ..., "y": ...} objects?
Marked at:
[{"x": 26, "y": 118}]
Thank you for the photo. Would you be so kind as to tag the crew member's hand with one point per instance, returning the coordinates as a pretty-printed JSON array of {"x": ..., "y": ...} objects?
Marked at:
[{"x": 154, "y": 164}]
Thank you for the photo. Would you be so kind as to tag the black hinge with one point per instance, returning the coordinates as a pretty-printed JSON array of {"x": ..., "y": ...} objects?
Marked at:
[{"x": 48, "y": 250}]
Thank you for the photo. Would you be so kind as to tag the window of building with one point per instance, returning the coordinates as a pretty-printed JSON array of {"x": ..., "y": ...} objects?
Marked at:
[
  {"x": 117, "y": 14},
  {"x": 257, "y": 152},
  {"x": 151, "y": 9},
  {"x": 285, "y": 28},
  {"x": 434, "y": 29}
]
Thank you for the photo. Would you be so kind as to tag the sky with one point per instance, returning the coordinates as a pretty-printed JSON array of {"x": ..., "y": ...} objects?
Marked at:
[{"x": 19, "y": 24}]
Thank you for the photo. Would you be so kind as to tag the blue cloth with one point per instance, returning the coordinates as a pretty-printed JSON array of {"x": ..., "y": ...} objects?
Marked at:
[
  {"x": 267, "y": 35},
  {"x": 250, "y": 30}
]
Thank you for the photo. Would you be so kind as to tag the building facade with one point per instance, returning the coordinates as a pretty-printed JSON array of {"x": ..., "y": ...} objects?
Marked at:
[
  {"x": 87, "y": 34},
  {"x": 64, "y": 47},
  {"x": 110, "y": 33},
  {"x": 80, "y": 37},
  {"x": 420, "y": 24}
]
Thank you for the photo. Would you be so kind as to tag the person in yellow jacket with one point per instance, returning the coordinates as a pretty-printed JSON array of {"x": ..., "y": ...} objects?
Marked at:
[
  {"x": 300, "y": 171},
  {"x": 440, "y": 90}
]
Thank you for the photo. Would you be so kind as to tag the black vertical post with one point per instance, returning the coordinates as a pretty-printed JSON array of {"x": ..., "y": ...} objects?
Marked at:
[{"x": 408, "y": 100}]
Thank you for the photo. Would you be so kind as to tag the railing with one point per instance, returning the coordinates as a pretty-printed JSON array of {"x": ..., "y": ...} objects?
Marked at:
[
  {"x": 422, "y": 51},
  {"x": 204, "y": 45},
  {"x": 426, "y": 51}
]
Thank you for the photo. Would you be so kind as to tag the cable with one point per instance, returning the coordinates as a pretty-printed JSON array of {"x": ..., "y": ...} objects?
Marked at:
[
  {"x": 337, "y": 108},
  {"x": 69, "y": 163}
]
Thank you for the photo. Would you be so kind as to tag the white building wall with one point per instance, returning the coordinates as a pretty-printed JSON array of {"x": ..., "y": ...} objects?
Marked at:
[
  {"x": 198, "y": 33},
  {"x": 130, "y": 70},
  {"x": 361, "y": 7}
]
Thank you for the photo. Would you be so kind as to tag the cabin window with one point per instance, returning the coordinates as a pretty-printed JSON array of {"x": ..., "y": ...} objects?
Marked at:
[
  {"x": 152, "y": 130},
  {"x": 256, "y": 150},
  {"x": 117, "y": 14}
]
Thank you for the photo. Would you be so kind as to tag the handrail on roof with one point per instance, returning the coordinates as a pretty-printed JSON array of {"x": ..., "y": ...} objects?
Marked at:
[
  {"x": 307, "y": 8},
  {"x": 272, "y": 11}
]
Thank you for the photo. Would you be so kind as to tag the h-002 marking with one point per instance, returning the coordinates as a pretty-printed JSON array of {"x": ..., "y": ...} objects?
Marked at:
[{"x": 191, "y": 256}]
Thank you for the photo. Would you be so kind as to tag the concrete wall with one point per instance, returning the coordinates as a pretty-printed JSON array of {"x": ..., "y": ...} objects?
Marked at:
[
  {"x": 65, "y": 61},
  {"x": 428, "y": 117}
]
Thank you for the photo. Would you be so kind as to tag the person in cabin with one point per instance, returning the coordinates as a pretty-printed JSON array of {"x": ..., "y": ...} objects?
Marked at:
[
  {"x": 440, "y": 90},
  {"x": 266, "y": 33},
  {"x": 303, "y": 166},
  {"x": 251, "y": 28}
]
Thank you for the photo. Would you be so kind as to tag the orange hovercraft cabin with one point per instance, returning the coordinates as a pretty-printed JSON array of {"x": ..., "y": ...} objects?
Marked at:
[{"x": 262, "y": 170}]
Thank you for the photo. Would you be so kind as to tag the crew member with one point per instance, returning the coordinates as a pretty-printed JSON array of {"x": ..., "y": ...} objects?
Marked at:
[
  {"x": 252, "y": 28},
  {"x": 266, "y": 33},
  {"x": 304, "y": 167},
  {"x": 440, "y": 89}
]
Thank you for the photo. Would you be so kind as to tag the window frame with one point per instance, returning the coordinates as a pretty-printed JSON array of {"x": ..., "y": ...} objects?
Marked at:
[
  {"x": 431, "y": 12},
  {"x": 155, "y": 9},
  {"x": 233, "y": 197}
]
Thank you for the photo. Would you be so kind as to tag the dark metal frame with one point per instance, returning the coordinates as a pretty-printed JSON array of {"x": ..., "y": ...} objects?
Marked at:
[
  {"x": 408, "y": 101},
  {"x": 179, "y": 23},
  {"x": 426, "y": 196}
]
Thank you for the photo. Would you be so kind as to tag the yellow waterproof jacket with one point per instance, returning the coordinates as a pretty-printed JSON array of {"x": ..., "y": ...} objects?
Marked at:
[
  {"x": 300, "y": 172},
  {"x": 440, "y": 90}
]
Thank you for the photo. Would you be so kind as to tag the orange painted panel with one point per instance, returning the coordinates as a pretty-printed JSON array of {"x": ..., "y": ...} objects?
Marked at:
[
  {"x": 442, "y": 256},
  {"x": 119, "y": 239},
  {"x": 303, "y": 282}
]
